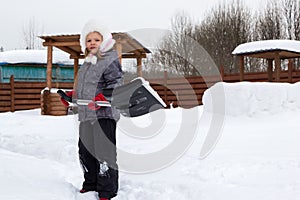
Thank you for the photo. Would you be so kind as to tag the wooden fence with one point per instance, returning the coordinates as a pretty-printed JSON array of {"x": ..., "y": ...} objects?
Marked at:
[
  {"x": 187, "y": 92},
  {"x": 183, "y": 92},
  {"x": 23, "y": 95}
]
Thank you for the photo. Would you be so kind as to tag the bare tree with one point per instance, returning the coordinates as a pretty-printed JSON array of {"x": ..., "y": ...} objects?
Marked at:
[
  {"x": 31, "y": 30},
  {"x": 291, "y": 20},
  {"x": 222, "y": 30},
  {"x": 175, "y": 52},
  {"x": 297, "y": 20},
  {"x": 288, "y": 13},
  {"x": 269, "y": 23}
]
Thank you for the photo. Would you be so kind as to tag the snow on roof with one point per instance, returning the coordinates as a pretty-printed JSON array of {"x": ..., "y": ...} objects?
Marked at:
[
  {"x": 34, "y": 56},
  {"x": 60, "y": 33},
  {"x": 268, "y": 45}
]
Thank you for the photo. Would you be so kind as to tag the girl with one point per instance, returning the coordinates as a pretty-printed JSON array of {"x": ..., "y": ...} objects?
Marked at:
[{"x": 97, "y": 129}]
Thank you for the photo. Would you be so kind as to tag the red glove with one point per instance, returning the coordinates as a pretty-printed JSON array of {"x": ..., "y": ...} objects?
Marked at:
[
  {"x": 93, "y": 105},
  {"x": 69, "y": 94}
]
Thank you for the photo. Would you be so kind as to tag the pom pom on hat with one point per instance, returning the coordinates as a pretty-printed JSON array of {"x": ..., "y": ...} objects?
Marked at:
[{"x": 96, "y": 25}]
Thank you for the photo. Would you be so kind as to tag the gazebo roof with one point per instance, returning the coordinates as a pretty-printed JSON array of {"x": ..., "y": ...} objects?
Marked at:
[
  {"x": 267, "y": 49},
  {"x": 70, "y": 43},
  {"x": 126, "y": 47},
  {"x": 272, "y": 50}
]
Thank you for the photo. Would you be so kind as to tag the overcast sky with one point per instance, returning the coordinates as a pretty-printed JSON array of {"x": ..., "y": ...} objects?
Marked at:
[{"x": 68, "y": 16}]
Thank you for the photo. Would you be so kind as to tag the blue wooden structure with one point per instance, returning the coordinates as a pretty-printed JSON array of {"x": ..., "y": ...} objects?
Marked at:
[
  {"x": 35, "y": 72},
  {"x": 31, "y": 66}
]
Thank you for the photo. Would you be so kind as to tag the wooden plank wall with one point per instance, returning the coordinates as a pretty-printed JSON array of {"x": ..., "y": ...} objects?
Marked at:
[
  {"x": 184, "y": 92},
  {"x": 23, "y": 95},
  {"x": 50, "y": 101},
  {"x": 5, "y": 97},
  {"x": 19, "y": 95}
]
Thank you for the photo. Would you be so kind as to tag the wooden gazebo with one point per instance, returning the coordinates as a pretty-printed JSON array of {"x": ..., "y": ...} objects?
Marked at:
[
  {"x": 126, "y": 46},
  {"x": 272, "y": 50}
]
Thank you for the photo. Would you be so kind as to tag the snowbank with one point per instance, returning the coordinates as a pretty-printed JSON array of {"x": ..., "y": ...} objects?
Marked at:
[{"x": 252, "y": 99}]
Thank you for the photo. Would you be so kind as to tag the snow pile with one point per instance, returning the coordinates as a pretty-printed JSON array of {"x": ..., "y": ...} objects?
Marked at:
[
  {"x": 34, "y": 56},
  {"x": 252, "y": 99}
]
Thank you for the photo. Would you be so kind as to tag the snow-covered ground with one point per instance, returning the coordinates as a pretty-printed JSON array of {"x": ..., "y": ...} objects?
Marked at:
[{"x": 256, "y": 157}]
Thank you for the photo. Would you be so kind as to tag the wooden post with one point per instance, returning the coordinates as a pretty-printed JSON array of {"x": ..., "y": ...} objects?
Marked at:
[
  {"x": 277, "y": 67},
  {"x": 165, "y": 85},
  {"x": 49, "y": 66},
  {"x": 242, "y": 68},
  {"x": 139, "y": 67},
  {"x": 222, "y": 73},
  {"x": 119, "y": 50},
  {"x": 46, "y": 102},
  {"x": 270, "y": 70},
  {"x": 76, "y": 66},
  {"x": 290, "y": 70},
  {"x": 12, "y": 93}
]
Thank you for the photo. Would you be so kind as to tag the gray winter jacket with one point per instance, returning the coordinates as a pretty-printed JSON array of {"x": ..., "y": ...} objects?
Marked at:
[{"x": 92, "y": 79}]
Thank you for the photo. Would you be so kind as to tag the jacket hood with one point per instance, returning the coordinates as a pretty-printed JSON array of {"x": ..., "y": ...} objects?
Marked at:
[{"x": 98, "y": 26}]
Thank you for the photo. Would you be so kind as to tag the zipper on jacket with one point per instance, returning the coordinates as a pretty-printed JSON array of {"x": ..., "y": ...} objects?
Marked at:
[{"x": 82, "y": 89}]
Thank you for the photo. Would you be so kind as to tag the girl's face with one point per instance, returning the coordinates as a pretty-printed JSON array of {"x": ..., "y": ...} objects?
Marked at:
[{"x": 93, "y": 41}]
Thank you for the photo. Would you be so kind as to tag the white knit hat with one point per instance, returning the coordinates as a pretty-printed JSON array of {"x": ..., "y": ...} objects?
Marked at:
[{"x": 96, "y": 25}]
